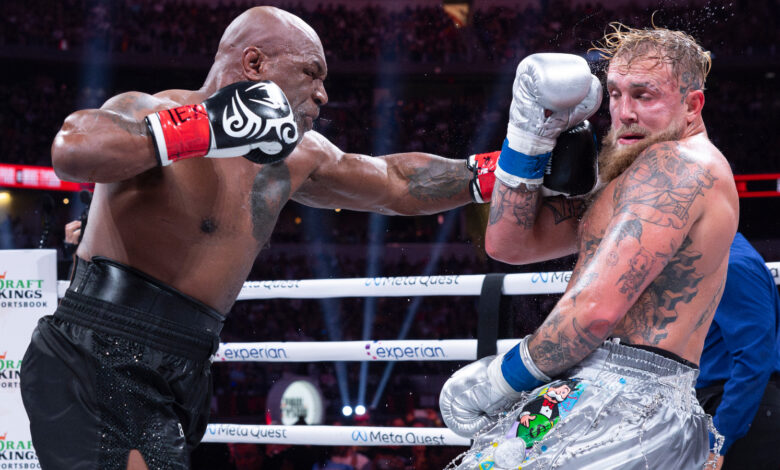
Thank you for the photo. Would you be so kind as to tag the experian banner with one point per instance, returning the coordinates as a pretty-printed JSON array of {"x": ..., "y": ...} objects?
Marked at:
[
  {"x": 28, "y": 291},
  {"x": 384, "y": 350}
]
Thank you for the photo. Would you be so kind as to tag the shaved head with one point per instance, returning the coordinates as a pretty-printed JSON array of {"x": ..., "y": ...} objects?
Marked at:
[
  {"x": 271, "y": 30},
  {"x": 266, "y": 43}
]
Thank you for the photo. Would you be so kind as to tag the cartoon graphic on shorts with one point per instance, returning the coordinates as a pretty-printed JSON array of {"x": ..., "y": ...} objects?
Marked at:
[{"x": 540, "y": 414}]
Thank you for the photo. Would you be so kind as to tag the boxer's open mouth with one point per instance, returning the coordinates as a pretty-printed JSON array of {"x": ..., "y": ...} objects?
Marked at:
[{"x": 628, "y": 139}]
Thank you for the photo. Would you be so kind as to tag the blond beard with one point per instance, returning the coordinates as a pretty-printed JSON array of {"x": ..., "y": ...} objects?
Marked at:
[{"x": 614, "y": 159}]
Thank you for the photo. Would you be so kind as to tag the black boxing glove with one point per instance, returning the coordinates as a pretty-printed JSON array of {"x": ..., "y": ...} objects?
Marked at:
[
  {"x": 573, "y": 166},
  {"x": 250, "y": 119}
]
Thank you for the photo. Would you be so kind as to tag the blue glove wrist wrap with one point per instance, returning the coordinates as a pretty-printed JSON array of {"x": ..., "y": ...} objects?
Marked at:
[
  {"x": 516, "y": 373},
  {"x": 519, "y": 164}
]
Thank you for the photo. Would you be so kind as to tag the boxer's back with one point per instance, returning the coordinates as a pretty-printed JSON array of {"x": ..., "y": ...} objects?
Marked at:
[{"x": 675, "y": 310}]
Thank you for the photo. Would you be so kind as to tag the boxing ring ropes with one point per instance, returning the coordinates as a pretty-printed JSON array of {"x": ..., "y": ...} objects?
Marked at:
[{"x": 489, "y": 287}]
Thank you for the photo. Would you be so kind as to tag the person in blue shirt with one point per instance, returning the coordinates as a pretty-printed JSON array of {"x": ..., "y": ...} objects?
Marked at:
[{"x": 739, "y": 382}]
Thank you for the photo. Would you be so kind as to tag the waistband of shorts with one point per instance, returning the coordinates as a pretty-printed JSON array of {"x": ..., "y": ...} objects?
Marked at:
[
  {"x": 664, "y": 353},
  {"x": 628, "y": 362},
  {"x": 117, "y": 299}
]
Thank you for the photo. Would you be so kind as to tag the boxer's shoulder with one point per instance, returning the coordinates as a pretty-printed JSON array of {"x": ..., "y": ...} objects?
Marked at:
[
  {"x": 676, "y": 160},
  {"x": 313, "y": 141},
  {"x": 313, "y": 149},
  {"x": 136, "y": 102},
  {"x": 181, "y": 97}
]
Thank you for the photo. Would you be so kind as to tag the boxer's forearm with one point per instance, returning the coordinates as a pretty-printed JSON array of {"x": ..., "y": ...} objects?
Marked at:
[
  {"x": 101, "y": 146},
  {"x": 564, "y": 340},
  {"x": 421, "y": 183},
  {"x": 526, "y": 228}
]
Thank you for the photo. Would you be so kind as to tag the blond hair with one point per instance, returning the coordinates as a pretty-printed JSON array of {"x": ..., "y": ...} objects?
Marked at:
[{"x": 676, "y": 48}]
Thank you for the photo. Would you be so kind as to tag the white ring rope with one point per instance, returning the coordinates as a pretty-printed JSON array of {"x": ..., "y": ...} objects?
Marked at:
[
  {"x": 333, "y": 435},
  {"x": 384, "y": 350},
  {"x": 406, "y": 286},
  {"x": 362, "y": 351}
]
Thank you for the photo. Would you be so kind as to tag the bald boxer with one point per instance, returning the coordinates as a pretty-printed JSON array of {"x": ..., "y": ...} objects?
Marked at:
[
  {"x": 653, "y": 253},
  {"x": 189, "y": 187}
]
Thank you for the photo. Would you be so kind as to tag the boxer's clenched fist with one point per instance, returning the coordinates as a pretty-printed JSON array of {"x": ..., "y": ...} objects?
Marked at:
[
  {"x": 476, "y": 394},
  {"x": 469, "y": 400},
  {"x": 250, "y": 119},
  {"x": 551, "y": 93}
]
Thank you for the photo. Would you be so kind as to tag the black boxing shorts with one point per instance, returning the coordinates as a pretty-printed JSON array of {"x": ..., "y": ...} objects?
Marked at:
[{"x": 122, "y": 364}]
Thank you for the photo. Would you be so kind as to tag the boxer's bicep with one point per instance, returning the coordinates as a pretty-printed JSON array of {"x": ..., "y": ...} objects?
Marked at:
[
  {"x": 107, "y": 144},
  {"x": 341, "y": 180}
]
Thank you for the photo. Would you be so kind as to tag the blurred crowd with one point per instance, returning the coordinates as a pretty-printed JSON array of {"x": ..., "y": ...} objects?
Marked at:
[{"x": 371, "y": 32}]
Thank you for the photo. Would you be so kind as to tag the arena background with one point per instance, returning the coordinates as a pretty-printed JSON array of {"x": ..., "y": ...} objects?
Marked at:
[{"x": 403, "y": 75}]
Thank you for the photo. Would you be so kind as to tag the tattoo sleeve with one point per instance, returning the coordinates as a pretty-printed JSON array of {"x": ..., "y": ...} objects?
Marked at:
[
  {"x": 519, "y": 204},
  {"x": 641, "y": 260},
  {"x": 438, "y": 181},
  {"x": 555, "y": 349},
  {"x": 564, "y": 209}
]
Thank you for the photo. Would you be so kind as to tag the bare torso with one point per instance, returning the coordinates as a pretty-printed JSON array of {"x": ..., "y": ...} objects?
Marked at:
[
  {"x": 197, "y": 225},
  {"x": 675, "y": 310}
]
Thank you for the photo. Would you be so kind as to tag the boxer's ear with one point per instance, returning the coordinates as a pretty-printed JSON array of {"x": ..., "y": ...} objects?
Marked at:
[
  {"x": 252, "y": 61},
  {"x": 694, "y": 102}
]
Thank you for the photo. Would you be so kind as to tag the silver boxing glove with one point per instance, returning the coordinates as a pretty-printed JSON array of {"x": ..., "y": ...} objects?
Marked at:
[
  {"x": 552, "y": 92},
  {"x": 475, "y": 395}
]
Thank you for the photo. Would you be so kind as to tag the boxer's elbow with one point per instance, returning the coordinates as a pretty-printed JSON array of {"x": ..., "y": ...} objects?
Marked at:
[
  {"x": 499, "y": 252},
  {"x": 512, "y": 248},
  {"x": 70, "y": 149},
  {"x": 65, "y": 159},
  {"x": 505, "y": 250},
  {"x": 595, "y": 313}
]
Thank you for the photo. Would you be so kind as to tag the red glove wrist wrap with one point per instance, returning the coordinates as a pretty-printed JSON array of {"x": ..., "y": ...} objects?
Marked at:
[
  {"x": 186, "y": 132},
  {"x": 483, "y": 165}
]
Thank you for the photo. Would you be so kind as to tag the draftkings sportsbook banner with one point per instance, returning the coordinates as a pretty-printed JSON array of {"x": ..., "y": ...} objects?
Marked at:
[{"x": 28, "y": 291}]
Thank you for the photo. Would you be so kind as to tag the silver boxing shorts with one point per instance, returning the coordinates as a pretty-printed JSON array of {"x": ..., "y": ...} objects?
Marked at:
[{"x": 621, "y": 407}]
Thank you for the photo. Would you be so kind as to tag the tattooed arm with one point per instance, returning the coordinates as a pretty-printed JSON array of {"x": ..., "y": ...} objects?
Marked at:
[
  {"x": 400, "y": 184},
  {"x": 655, "y": 204},
  {"x": 526, "y": 228},
  {"x": 108, "y": 144}
]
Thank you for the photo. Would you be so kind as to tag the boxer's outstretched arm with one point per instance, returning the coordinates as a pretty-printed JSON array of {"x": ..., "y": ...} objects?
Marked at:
[
  {"x": 526, "y": 228},
  {"x": 643, "y": 235},
  {"x": 398, "y": 184},
  {"x": 108, "y": 144}
]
